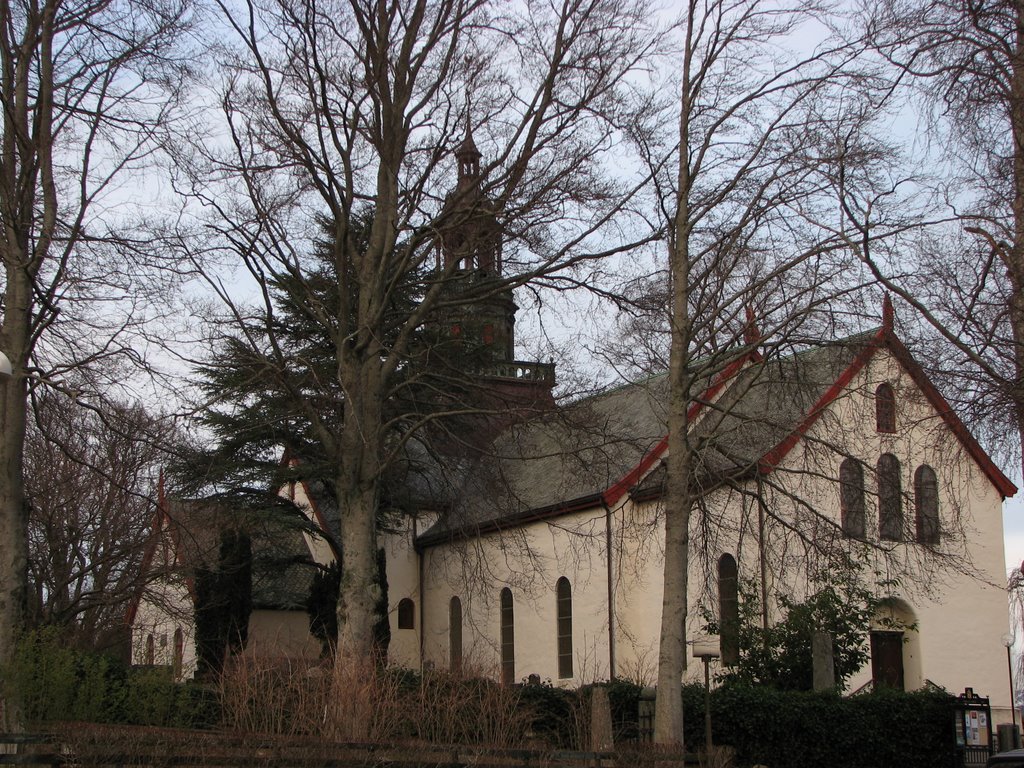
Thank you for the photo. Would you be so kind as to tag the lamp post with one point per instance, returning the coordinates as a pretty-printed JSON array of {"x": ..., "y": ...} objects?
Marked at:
[
  {"x": 1008, "y": 642},
  {"x": 706, "y": 650}
]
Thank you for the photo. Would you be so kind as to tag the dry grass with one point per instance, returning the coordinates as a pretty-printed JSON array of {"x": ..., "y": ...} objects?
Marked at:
[{"x": 365, "y": 703}]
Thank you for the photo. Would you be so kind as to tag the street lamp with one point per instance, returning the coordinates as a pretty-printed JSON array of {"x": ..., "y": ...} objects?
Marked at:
[
  {"x": 5, "y": 365},
  {"x": 1008, "y": 642},
  {"x": 706, "y": 650}
]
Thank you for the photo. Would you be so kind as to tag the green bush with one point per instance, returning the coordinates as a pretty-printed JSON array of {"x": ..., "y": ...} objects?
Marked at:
[
  {"x": 787, "y": 729},
  {"x": 56, "y": 683},
  {"x": 552, "y": 712}
]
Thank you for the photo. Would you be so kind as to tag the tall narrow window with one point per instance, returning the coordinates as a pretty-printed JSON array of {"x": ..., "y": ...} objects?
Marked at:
[
  {"x": 890, "y": 503},
  {"x": 406, "y": 614},
  {"x": 851, "y": 498},
  {"x": 455, "y": 635},
  {"x": 179, "y": 653},
  {"x": 885, "y": 409},
  {"x": 508, "y": 638},
  {"x": 728, "y": 610},
  {"x": 926, "y": 505},
  {"x": 150, "y": 650},
  {"x": 564, "y": 594}
]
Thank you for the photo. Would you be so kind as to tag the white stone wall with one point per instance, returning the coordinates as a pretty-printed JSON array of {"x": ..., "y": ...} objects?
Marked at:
[
  {"x": 164, "y": 610},
  {"x": 955, "y": 595}
]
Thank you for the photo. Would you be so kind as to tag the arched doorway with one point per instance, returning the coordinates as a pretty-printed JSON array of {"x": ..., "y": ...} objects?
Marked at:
[{"x": 895, "y": 647}]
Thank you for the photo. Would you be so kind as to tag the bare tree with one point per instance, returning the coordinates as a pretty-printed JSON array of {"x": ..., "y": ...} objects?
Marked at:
[
  {"x": 353, "y": 113},
  {"x": 741, "y": 228},
  {"x": 90, "y": 489},
  {"x": 962, "y": 66},
  {"x": 84, "y": 88}
]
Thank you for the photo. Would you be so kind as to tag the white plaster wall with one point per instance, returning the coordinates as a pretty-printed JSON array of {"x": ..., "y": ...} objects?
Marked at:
[
  {"x": 955, "y": 593},
  {"x": 403, "y": 583},
  {"x": 319, "y": 549},
  {"x": 956, "y": 596},
  {"x": 529, "y": 561},
  {"x": 166, "y": 608},
  {"x": 281, "y": 634}
]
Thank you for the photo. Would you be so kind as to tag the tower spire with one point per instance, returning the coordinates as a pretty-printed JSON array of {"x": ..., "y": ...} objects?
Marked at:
[{"x": 468, "y": 156}]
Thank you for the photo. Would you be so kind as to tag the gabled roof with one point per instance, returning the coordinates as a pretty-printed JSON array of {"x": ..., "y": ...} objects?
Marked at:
[
  {"x": 885, "y": 338},
  {"x": 282, "y": 569},
  {"x": 752, "y": 413},
  {"x": 585, "y": 455}
]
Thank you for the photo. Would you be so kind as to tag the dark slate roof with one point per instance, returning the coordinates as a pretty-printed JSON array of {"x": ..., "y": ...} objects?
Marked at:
[
  {"x": 281, "y": 566},
  {"x": 571, "y": 457},
  {"x": 768, "y": 401},
  {"x": 282, "y": 569}
]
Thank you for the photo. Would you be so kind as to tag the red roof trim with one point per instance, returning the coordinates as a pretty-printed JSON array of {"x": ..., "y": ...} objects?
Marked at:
[
  {"x": 321, "y": 521},
  {"x": 147, "y": 558},
  {"x": 887, "y": 338},
  {"x": 160, "y": 516},
  {"x": 619, "y": 489},
  {"x": 775, "y": 456},
  {"x": 1002, "y": 483}
]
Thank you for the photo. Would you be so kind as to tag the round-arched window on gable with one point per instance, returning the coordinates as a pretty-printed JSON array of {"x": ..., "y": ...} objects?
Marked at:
[
  {"x": 885, "y": 408},
  {"x": 926, "y": 505},
  {"x": 406, "y": 614},
  {"x": 851, "y": 498},
  {"x": 890, "y": 499}
]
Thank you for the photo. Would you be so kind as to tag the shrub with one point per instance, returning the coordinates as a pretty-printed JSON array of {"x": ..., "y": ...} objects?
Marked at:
[
  {"x": 786, "y": 729},
  {"x": 55, "y": 683}
]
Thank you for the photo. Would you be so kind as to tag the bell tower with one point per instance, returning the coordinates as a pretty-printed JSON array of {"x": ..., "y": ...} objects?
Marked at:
[
  {"x": 477, "y": 323},
  {"x": 469, "y": 252}
]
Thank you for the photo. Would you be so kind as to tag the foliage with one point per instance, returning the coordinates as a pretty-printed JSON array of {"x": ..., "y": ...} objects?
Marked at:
[
  {"x": 322, "y": 607},
  {"x": 783, "y": 729},
  {"x": 624, "y": 698},
  {"x": 552, "y": 712},
  {"x": 792, "y": 729},
  {"x": 223, "y": 602},
  {"x": 780, "y": 656},
  {"x": 56, "y": 683},
  {"x": 272, "y": 386},
  {"x": 89, "y": 482}
]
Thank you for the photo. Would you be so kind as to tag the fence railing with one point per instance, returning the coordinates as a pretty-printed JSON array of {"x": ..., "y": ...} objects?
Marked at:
[{"x": 109, "y": 747}]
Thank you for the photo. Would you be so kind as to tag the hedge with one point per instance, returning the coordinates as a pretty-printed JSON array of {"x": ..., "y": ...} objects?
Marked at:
[
  {"x": 57, "y": 683},
  {"x": 787, "y": 729}
]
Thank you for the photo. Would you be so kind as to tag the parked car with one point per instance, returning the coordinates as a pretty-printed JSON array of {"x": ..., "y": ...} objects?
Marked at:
[{"x": 1012, "y": 759}]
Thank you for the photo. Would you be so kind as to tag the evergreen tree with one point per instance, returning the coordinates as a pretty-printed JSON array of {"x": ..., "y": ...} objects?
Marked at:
[{"x": 223, "y": 602}]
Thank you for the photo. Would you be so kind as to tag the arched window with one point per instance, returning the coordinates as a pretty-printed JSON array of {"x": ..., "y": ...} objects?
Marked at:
[
  {"x": 728, "y": 610},
  {"x": 455, "y": 635},
  {"x": 851, "y": 498},
  {"x": 508, "y": 638},
  {"x": 179, "y": 652},
  {"x": 926, "y": 505},
  {"x": 564, "y": 595},
  {"x": 406, "y": 614},
  {"x": 885, "y": 409},
  {"x": 150, "y": 650},
  {"x": 890, "y": 503}
]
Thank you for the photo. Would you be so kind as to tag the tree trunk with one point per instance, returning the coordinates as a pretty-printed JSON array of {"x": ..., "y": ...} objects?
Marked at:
[
  {"x": 668, "y": 712},
  {"x": 13, "y": 517},
  {"x": 358, "y": 490},
  {"x": 1015, "y": 257}
]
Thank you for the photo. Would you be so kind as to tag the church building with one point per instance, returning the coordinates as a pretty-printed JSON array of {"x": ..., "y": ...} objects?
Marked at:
[{"x": 543, "y": 552}]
